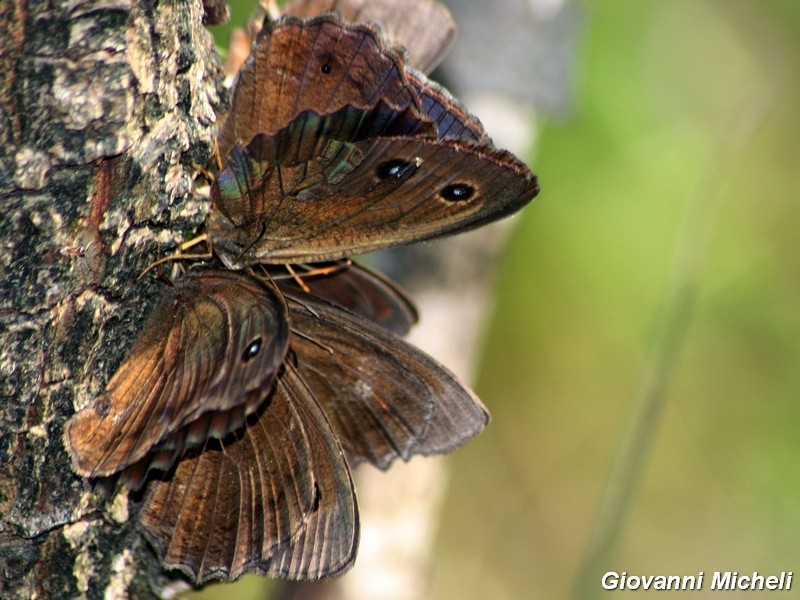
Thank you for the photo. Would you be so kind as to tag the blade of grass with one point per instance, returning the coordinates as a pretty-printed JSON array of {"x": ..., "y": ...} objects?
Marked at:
[{"x": 670, "y": 325}]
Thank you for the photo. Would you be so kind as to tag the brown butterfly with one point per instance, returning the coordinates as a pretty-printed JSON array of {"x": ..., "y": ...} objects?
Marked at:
[
  {"x": 334, "y": 147},
  {"x": 275, "y": 496}
]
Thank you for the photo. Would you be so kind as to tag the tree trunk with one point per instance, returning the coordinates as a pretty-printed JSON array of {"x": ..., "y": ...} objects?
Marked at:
[{"x": 105, "y": 108}]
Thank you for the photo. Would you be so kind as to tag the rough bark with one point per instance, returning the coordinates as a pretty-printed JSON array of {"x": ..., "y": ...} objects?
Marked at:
[{"x": 105, "y": 108}]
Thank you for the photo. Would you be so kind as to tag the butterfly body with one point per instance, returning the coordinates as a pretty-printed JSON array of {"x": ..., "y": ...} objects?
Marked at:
[{"x": 351, "y": 151}]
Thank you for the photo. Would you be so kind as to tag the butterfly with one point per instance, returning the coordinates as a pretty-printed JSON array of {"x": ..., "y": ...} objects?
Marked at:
[
  {"x": 334, "y": 146},
  {"x": 274, "y": 494}
]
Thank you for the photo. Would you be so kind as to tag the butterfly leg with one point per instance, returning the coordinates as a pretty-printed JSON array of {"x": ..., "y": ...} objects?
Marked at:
[
  {"x": 314, "y": 271},
  {"x": 179, "y": 253}
]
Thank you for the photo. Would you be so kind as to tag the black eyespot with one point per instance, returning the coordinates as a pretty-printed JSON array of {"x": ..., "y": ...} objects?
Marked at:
[
  {"x": 252, "y": 350},
  {"x": 392, "y": 168},
  {"x": 457, "y": 192},
  {"x": 317, "y": 497},
  {"x": 326, "y": 68}
]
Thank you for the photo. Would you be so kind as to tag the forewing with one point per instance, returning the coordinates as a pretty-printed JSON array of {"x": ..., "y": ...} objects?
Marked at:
[
  {"x": 212, "y": 345},
  {"x": 357, "y": 197},
  {"x": 318, "y": 65}
]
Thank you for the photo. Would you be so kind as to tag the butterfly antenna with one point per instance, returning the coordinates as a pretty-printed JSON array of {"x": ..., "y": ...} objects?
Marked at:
[
  {"x": 314, "y": 341},
  {"x": 179, "y": 254},
  {"x": 251, "y": 244}
]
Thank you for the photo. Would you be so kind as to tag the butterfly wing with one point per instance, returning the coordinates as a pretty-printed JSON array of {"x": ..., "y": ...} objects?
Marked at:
[
  {"x": 384, "y": 398},
  {"x": 273, "y": 203},
  {"x": 346, "y": 150},
  {"x": 451, "y": 118},
  {"x": 424, "y": 27},
  {"x": 317, "y": 65},
  {"x": 327, "y": 543},
  {"x": 205, "y": 358},
  {"x": 322, "y": 65},
  {"x": 359, "y": 290},
  {"x": 276, "y": 498}
]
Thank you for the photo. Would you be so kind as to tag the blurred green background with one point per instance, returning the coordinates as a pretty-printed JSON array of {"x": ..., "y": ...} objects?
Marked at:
[{"x": 656, "y": 274}]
